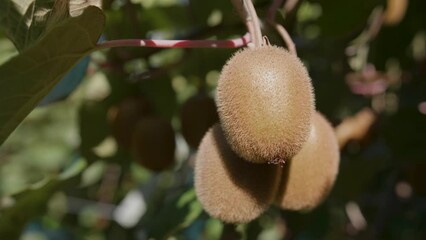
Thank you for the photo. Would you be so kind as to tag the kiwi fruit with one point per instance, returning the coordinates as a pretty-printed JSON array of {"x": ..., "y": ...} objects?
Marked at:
[
  {"x": 228, "y": 187},
  {"x": 310, "y": 175},
  {"x": 265, "y": 103},
  {"x": 197, "y": 115},
  {"x": 124, "y": 116},
  {"x": 153, "y": 143}
]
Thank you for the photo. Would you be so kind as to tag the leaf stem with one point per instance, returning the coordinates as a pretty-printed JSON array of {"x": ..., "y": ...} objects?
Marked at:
[{"x": 231, "y": 43}]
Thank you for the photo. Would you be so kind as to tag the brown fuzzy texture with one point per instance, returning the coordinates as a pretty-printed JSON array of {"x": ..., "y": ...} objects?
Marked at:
[
  {"x": 153, "y": 143},
  {"x": 310, "y": 175},
  {"x": 197, "y": 115},
  {"x": 230, "y": 188},
  {"x": 265, "y": 102},
  {"x": 124, "y": 117}
]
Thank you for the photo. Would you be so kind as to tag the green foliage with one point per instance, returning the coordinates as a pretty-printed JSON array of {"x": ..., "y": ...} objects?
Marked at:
[
  {"x": 176, "y": 214},
  {"x": 26, "y": 21},
  {"x": 28, "y": 77},
  {"x": 31, "y": 202}
]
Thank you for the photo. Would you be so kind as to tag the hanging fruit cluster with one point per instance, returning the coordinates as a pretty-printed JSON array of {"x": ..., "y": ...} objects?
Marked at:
[{"x": 271, "y": 146}]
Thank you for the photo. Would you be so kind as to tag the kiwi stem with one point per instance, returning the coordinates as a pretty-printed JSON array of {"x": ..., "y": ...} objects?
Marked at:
[
  {"x": 231, "y": 43},
  {"x": 286, "y": 37},
  {"x": 250, "y": 30},
  {"x": 289, "y": 5},
  {"x": 278, "y": 161},
  {"x": 239, "y": 6},
  {"x": 272, "y": 11},
  {"x": 253, "y": 23},
  {"x": 243, "y": 11},
  {"x": 270, "y": 19}
]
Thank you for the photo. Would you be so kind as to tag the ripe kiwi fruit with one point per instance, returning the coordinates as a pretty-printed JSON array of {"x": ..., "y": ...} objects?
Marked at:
[
  {"x": 124, "y": 116},
  {"x": 228, "y": 187},
  {"x": 265, "y": 103},
  {"x": 197, "y": 115},
  {"x": 153, "y": 143},
  {"x": 310, "y": 175}
]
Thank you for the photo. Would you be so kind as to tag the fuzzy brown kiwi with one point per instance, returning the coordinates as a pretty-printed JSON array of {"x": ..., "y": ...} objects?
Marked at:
[
  {"x": 124, "y": 116},
  {"x": 310, "y": 175},
  {"x": 153, "y": 143},
  {"x": 197, "y": 115},
  {"x": 228, "y": 187},
  {"x": 265, "y": 103}
]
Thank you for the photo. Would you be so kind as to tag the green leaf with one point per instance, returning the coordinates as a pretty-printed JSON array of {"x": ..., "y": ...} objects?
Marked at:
[
  {"x": 175, "y": 215},
  {"x": 29, "y": 205},
  {"x": 28, "y": 77},
  {"x": 32, "y": 202},
  {"x": 25, "y": 21}
]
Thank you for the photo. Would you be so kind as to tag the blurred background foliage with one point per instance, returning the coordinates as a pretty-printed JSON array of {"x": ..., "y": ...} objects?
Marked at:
[{"x": 63, "y": 174}]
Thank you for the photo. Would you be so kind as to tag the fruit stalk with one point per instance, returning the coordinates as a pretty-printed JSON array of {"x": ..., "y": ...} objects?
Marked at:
[
  {"x": 290, "y": 5},
  {"x": 253, "y": 24},
  {"x": 286, "y": 37},
  {"x": 270, "y": 19},
  {"x": 272, "y": 11}
]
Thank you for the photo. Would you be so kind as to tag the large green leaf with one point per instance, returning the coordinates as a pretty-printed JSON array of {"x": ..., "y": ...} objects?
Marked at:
[
  {"x": 25, "y": 21},
  {"x": 176, "y": 214},
  {"x": 28, "y": 77}
]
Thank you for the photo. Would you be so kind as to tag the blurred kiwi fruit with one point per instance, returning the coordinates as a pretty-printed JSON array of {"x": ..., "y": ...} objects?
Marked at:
[
  {"x": 124, "y": 116},
  {"x": 310, "y": 175},
  {"x": 153, "y": 143},
  {"x": 265, "y": 103},
  {"x": 197, "y": 115},
  {"x": 228, "y": 187}
]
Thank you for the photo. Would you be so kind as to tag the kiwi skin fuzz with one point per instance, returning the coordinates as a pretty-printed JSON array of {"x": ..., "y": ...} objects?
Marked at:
[
  {"x": 153, "y": 143},
  {"x": 311, "y": 174},
  {"x": 197, "y": 115},
  {"x": 228, "y": 187},
  {"x": 265, "y": 103}
]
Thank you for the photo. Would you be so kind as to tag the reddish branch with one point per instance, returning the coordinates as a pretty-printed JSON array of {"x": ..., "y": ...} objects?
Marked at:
[{"x": 231, "y": 43}]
